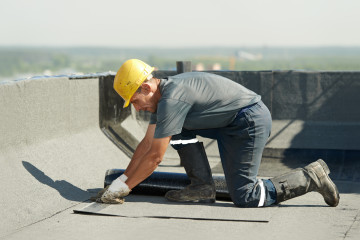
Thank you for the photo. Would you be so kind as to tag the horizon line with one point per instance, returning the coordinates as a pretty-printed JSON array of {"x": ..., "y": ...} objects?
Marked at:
[{"x": 178, "y": 47}]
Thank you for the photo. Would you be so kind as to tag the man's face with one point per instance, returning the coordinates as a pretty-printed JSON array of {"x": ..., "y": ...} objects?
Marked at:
[{"x": 144, "y": 101}]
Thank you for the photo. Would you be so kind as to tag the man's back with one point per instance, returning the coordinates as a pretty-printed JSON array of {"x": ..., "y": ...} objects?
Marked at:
[{"x": 198, "y": 100}]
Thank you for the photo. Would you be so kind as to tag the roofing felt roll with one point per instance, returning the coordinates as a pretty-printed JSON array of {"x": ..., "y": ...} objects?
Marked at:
[{"x": 158, "y": 183}]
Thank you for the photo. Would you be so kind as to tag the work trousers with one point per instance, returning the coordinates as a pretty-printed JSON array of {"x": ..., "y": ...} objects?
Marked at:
[{"x": 241, "y": 145}]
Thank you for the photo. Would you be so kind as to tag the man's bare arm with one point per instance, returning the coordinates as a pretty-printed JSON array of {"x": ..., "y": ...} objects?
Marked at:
[
  {"x": 141, "y": 150},
  {"x": 146, "y": 158},
  {"x": 148, "y": 162}
]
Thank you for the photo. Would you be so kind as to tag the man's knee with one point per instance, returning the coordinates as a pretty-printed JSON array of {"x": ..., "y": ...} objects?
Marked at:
[{"x": 249, "y": 196}]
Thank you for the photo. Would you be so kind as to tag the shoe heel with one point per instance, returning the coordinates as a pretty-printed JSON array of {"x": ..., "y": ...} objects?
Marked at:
[{"x": 324, "y": 166}]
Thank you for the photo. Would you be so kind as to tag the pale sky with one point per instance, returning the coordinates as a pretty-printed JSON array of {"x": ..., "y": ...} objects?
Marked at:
[{"x": 183, "y": 23}]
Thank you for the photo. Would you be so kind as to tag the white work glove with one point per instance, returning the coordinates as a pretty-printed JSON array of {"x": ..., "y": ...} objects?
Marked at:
[{"x": 117, "y": 190}]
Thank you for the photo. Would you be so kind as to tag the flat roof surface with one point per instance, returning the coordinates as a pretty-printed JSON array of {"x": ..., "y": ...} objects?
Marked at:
[{"x": 305, "y": 217}]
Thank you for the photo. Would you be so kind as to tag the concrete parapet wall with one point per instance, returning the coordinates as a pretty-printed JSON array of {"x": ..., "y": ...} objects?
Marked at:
[
  {"x": 41, "y": 109},
  {"x": 52, "y": 151}
]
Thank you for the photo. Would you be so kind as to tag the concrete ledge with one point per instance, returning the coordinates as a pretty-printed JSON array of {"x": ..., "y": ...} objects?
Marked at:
[{"x": 52, "y": 151}]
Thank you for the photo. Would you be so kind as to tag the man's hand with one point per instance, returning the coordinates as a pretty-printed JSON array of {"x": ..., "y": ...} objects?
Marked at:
[
  {"x": 97, "y": 198},
  {"x": 116, "y": 191}
]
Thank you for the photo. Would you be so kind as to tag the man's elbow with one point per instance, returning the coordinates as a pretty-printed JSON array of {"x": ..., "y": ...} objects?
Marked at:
[
  {"x": 155, "y": 159},
  {"x": 157, "y": 150}
]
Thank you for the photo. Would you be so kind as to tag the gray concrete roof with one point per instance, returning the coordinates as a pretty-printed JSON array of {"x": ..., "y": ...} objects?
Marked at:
[{"x": 53, "y": 157}]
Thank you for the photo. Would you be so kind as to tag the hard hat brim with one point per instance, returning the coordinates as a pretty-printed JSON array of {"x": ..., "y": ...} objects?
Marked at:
[{"x": 126, "y": 104}]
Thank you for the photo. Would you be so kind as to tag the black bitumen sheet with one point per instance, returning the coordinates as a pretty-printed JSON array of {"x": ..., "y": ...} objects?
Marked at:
[{"x": 158, "y": 183}]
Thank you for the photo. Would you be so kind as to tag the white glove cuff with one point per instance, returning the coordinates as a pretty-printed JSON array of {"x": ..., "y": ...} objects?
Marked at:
[
  {"x": 123, "y": 177},
  {"x": 118, "y": 186}
]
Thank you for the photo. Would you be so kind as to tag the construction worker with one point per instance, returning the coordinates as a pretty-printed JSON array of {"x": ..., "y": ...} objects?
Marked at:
[{"x": 202, "y": 104}]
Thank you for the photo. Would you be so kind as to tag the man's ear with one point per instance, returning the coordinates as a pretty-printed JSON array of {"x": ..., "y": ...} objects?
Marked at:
[{"x": 146, "y": 88}]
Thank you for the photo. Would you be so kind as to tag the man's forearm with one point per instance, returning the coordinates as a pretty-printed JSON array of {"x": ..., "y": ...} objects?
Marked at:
[
  {"x": 148, "y": 164},
  {"x": 140, "y": 151}
]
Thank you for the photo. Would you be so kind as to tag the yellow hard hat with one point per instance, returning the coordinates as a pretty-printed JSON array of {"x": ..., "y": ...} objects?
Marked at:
[{"x": 130, "y": 77}]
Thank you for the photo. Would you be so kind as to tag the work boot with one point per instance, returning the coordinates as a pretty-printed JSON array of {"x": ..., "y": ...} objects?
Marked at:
[
  {"x": 313, "y": 177},
  {"x": 196, "y": 164}
]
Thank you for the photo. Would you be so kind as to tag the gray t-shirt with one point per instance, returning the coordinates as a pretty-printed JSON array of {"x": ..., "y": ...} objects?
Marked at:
[{"x": 198, "y": 100}]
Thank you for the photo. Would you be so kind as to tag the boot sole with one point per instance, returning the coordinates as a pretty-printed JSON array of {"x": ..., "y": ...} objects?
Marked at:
[{"x": 333, "y": 186}]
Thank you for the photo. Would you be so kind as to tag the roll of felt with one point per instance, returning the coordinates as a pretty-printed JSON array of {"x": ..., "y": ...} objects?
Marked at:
[{"x": 158, "y": 183}]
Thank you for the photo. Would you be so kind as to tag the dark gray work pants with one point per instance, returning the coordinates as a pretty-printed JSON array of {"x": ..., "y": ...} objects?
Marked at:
[{"x": 241, "y": 145}]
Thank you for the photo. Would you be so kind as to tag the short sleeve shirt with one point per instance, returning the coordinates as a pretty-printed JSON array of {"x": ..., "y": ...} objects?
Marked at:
[{"x": 198, "y": 100}]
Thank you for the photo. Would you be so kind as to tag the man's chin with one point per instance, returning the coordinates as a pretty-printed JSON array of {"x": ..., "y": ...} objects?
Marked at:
[{"x": 151, "y": 110}]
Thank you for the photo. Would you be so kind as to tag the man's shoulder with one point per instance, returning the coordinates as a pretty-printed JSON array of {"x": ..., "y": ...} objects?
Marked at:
[{"x": 176, "y": 90}]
